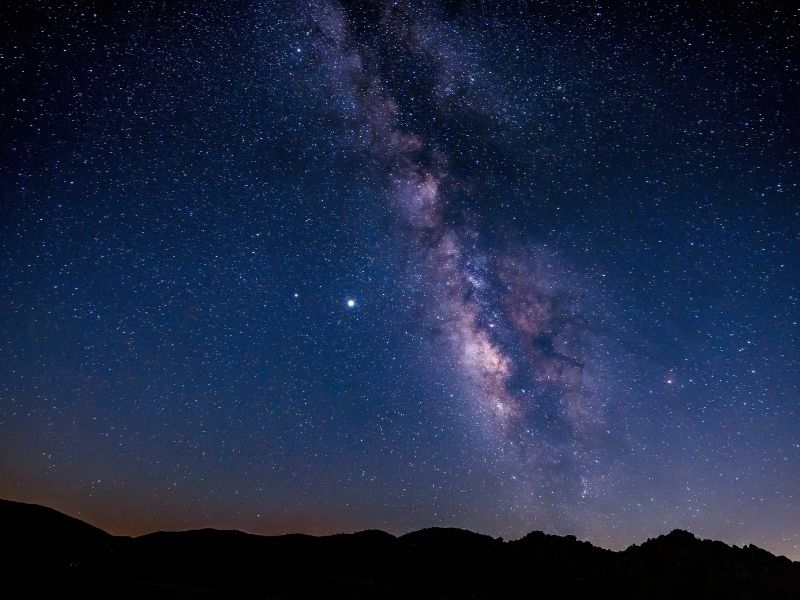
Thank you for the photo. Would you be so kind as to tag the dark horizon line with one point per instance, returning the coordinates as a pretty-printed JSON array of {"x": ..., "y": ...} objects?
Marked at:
[{"x": 498, "y": 539}]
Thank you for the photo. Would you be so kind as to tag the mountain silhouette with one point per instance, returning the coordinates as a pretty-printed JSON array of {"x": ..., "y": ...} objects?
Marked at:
[{"x": 46, "y": 553}]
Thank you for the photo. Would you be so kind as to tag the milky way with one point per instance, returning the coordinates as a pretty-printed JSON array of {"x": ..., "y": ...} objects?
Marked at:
[{"x": 515, "y": 337}]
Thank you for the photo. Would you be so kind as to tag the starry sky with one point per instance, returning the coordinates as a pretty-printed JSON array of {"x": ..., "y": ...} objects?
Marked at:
[{"x": 327, "y": 266}]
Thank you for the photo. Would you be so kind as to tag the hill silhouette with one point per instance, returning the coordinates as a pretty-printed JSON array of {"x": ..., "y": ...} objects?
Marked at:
[{"x": 46, "y": 553}]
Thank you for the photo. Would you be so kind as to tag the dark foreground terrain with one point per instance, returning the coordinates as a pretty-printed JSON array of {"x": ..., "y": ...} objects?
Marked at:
[{"x": 47, "y": 554}]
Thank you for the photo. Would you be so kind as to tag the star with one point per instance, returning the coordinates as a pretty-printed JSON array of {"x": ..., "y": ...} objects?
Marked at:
[{"x": 350, "y": 303}]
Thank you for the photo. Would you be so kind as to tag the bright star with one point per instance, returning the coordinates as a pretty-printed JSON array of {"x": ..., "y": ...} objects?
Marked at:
[{"x": 350, "y": 303}]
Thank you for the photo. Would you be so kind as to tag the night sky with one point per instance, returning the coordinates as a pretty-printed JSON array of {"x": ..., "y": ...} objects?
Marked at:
[{"x": 319, "y": 267}]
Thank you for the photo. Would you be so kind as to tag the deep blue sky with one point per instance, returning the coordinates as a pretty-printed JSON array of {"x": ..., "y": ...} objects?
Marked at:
[{"x": 324, "y": 267}]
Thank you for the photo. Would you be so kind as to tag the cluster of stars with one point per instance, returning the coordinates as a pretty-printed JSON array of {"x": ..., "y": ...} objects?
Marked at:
[{"x": 313, "y": 267}]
